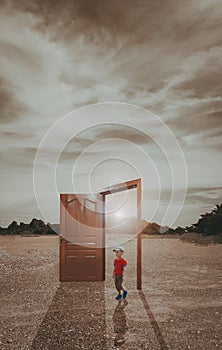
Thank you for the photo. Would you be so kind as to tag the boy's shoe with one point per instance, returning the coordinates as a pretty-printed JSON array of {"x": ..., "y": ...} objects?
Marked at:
[
  {"x": 119, "y": 296},
  {"x": 125, "y": 292}
]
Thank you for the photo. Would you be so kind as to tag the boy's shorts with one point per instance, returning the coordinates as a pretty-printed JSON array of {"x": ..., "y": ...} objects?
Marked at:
[{"x": 118, "y": 281}]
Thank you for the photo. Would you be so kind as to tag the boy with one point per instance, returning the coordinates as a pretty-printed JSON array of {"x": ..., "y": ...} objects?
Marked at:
[{"x": 119, "y": 269}]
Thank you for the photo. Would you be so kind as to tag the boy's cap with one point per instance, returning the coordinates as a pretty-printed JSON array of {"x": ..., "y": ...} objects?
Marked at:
[{"x": 119, "y": 247}]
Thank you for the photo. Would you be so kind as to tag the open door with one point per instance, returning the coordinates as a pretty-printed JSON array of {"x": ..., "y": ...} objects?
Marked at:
[
  {"x": 82, "y": 240},
  {"x": 82, "y": 234}
]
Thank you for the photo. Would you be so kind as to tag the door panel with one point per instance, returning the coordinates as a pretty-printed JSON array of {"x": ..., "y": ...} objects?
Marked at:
[{"x": 82, "y": 240}]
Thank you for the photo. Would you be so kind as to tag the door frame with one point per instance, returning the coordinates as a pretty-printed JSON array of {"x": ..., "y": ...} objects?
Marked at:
[{"x": 125, "y": 186}]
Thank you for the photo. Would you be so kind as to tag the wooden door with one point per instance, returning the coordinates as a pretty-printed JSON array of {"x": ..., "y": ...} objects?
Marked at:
[{"x": 82, "y": 237}]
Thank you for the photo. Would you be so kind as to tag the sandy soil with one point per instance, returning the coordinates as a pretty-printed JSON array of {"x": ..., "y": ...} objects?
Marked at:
[{"x": 180, "y": 306}]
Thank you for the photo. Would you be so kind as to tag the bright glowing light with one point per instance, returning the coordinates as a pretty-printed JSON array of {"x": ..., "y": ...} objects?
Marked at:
[{"x": 120, "y": 213}]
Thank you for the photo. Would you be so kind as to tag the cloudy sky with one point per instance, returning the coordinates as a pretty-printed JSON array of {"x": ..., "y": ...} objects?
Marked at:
[{"x": 164, "y": 56}]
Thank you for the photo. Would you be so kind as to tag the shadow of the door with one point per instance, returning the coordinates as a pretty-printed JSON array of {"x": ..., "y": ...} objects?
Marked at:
[{"x": 75, "y": 318}]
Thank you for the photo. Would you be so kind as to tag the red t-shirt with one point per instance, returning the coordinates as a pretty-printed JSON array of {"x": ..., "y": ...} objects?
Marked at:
[{"x": 118, "y": 265}]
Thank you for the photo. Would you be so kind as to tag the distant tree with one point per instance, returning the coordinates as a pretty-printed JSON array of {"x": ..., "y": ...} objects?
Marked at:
[
  {"x": 208, "y": 224},
  {"x": 37, "y": 231},
  {"x": 13, "y": 228},
  {"x": 13, "y": 225},
  {"x": 179, "y": 230}
]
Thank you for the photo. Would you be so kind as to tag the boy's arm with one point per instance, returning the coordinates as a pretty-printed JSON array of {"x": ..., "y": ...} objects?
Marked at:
[
  {"x": 124, "y": 273},
  {"x": 125, "y": 262},
  {"x": 124, "y": 268}
]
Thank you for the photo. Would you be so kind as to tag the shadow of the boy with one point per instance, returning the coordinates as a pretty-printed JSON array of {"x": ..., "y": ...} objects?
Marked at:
[{"x": 119, "y": 321}]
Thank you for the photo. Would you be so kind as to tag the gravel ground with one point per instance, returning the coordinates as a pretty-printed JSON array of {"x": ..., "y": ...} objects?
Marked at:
[{"x": 180, "y": 306}]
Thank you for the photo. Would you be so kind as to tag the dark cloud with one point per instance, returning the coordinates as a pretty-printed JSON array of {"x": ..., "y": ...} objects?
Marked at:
[
  {"x": 194, "y": 194},
  {"x": 111, "y": 130},
  {"x": 19, "y": 56},
  {"x": 201, "y": 121},
  {"x": 92, "y": 135},
  {"x": 209, "y": 196},
  {"x": 117, "y": 16},
  {"x": 123, "y": 133},
  {"x": 10, "y": 107},
  {"x": 205, "y": 83},
  {"x": 14, "y": 135},
  {"x": 23, "y": 157}
]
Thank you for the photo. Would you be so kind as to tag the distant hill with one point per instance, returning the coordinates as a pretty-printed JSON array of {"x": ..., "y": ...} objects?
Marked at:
[{"x": 36, "y": 226}]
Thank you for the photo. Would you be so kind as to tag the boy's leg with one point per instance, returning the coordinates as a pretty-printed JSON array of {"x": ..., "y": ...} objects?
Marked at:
[
  {"x": 118, "y": 287},
  {"x": 125, "y": 292},
  {"x": 118, "y": 283},
  {"x": 122, "y": 286}
]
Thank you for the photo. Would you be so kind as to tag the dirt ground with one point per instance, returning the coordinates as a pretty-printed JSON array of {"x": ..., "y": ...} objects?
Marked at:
[{"x": 179, "y": 307}]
